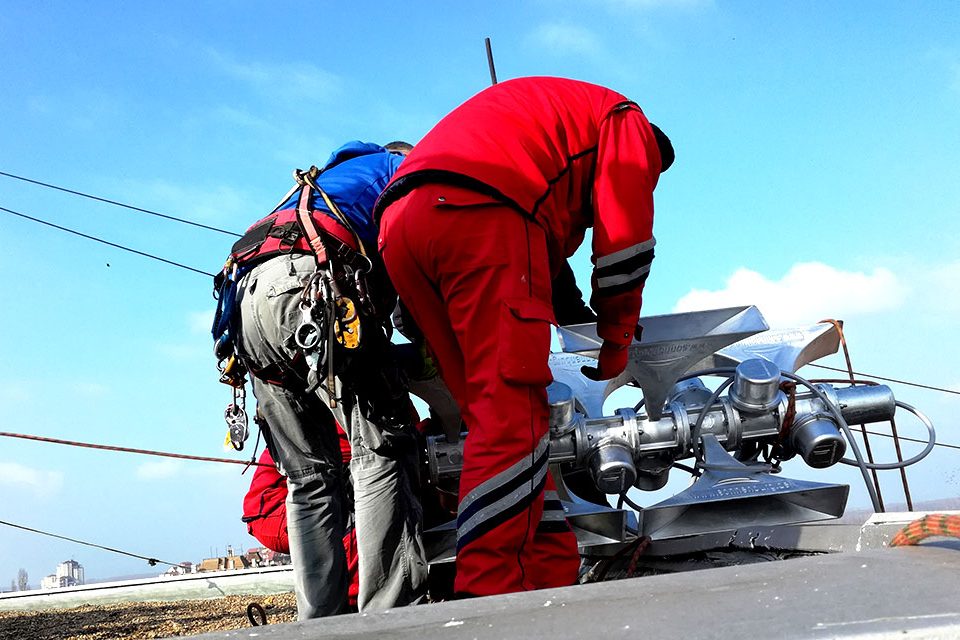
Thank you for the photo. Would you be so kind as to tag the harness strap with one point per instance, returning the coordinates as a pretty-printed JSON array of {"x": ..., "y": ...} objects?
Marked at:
[
  {"x": 292, "y": 375},
  {"x": 313, "y": 235},
  {"x": 310, "y": 178}
]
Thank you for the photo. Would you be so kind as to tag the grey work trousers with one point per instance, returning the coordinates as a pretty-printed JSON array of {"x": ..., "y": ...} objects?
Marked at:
[{"x": 302, "y": 436}]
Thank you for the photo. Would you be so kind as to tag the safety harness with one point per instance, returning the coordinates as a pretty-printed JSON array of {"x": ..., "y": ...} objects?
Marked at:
[{"x": 332, "y": 302}]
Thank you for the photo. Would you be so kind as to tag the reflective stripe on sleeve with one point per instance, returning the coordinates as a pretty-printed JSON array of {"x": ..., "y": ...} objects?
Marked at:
[
  {"x": 626, "y": 268},
  {"x": 619, "y": 280},
  {"x": 625, "y": 254}
]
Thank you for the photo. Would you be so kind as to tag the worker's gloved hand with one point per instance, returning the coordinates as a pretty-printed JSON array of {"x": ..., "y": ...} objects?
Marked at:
[{"x": 610, "y": 363}]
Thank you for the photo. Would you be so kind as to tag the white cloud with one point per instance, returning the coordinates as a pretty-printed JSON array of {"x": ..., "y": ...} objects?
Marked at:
[
  {"x": 946, "y": 60},
  {"x": 943, "y": 288},
  {"x": 42, "y": 483},
  {"x": 160, "y": 469},
  {"x": 192, "y": 349},
  {"x": 934, "y": 300},
  {"x": 618, "y": 7},
  {"x": 808, "y": 293},
  {"x": 242, "y": 118},
  {"x": 90, "y": 389},
  {"x": 566, "y": 39},
  {"x": 200, "y": 321},
  {"x": 300, "y": 80},
  {"x": 195, "y": 202},
  {"x": 40, "y": 105},
  {"x": 171, "y": 468},
  {"x": 642, "y": 5},
  {"x": 15, "y": 393},
  {"x": 185, "y": 352}
]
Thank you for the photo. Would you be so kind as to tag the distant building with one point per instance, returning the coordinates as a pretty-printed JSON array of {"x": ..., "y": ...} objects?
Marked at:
[
  {"x": 72, "y": 571},
  {"x": 224, "y": 563},
  {"x": 264, "y": 557},
  {"x": 69, "y": 574},
  {"x": 181, "y": 569}
]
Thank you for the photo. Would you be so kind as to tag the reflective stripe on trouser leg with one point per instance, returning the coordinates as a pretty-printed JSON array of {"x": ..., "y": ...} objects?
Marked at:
[{"x": 503, "y": 496}]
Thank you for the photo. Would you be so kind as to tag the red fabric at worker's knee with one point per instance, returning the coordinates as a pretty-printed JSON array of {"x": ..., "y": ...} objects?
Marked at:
[
  {"x": 353, "y": 565},
  {"x": 271, "y": 530},
  {"x": 554, "y": 565},
  {"x": 475, "y": 275}
]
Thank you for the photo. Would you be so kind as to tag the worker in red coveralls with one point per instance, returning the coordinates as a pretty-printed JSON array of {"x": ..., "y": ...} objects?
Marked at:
[
  {"x": 265, "y": 513},
  {"x": 475, "y": 224}
]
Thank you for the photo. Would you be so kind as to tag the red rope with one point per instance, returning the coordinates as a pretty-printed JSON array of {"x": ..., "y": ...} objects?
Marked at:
[
  {"x": 104, "y": 447},
  {"x": 643, "y": 543}
]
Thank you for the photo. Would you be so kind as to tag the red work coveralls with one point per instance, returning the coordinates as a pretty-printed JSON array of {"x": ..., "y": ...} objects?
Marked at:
[{"x": 475, "y": 224}]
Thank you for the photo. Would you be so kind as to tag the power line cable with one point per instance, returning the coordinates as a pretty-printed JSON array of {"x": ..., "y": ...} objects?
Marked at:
[
  {"x": 945, "y": 445},
  {"x": 150, "y": 561},
  {"x": 868, "y": 375},
  {"x": 148, "y": 452},
  {"x": 119, "y": 204},
  {"x": 102, "y": 241}
]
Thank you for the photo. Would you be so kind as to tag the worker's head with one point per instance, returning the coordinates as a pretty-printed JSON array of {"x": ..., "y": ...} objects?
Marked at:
[
  {"x": 399, "y": 147},
  {"x": 666, "y": 149}
]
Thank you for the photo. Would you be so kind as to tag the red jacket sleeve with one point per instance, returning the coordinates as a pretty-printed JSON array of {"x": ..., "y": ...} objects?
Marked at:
[{"x": 628, "y": 166}]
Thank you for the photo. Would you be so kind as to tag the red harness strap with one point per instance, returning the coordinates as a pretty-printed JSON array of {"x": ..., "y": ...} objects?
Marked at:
[{"x": 314, "y": 239}]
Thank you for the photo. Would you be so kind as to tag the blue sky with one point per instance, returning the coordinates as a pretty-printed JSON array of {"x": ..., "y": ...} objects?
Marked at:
[{"x": 816, "y": 176}]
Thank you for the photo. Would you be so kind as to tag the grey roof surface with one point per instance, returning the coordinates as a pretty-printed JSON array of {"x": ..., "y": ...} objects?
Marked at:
[{"x": 911, "y": 592}]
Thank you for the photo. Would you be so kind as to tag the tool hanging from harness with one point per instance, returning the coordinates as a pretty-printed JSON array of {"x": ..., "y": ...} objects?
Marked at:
[{"x": 334, "y": 301}]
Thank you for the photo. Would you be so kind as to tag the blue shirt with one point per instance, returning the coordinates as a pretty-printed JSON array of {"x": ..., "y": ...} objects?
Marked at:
[{"x": 354, "y": 177}]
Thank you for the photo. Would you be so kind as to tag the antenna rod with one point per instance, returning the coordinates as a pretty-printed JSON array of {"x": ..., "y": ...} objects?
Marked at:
[{"x": 493, "y": 70}]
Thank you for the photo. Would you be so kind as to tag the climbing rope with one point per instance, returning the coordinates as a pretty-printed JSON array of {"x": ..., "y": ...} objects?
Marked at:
[
  {"x": 931, "y": 525},
  {"x": 104, "y": 447}
]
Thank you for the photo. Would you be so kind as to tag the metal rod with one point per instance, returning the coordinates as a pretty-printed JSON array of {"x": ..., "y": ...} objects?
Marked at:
[
  {"x": 863, "y": 428},
  {"x": 493, "y": 70},
  {"x": 903, "y": 471}
]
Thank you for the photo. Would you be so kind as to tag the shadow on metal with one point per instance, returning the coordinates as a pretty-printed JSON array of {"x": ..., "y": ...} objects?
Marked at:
[
  {"x": 731, "y": 495},
  {"x": 789, "y": 349}
]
